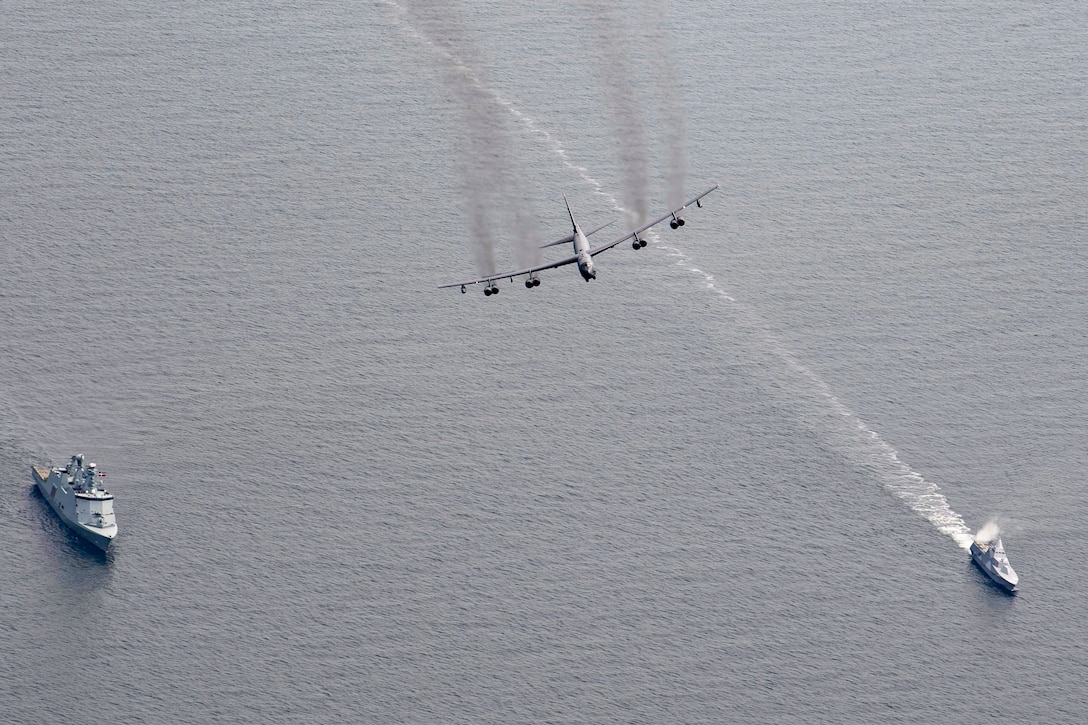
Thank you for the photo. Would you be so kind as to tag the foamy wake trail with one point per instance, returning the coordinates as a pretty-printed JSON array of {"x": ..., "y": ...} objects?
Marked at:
[{"x": 861, "y": 445}]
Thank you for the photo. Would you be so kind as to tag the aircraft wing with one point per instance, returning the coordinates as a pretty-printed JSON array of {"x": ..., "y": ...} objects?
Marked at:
[
  {"x": 510, "y": 275},
  {"x": 673, "y": 214}
]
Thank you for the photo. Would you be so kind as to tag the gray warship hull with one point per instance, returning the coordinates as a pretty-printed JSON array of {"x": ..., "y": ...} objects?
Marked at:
[
  {"x": 990, "y": 557},
  {"x": 81, "y": 511}
]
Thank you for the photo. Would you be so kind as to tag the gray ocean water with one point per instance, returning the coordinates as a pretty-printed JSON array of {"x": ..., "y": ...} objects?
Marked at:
[{"x": 728, "y": 481}]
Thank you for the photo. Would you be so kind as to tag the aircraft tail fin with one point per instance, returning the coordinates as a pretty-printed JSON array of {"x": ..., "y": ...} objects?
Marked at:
[{"x": 571, "y": 215}]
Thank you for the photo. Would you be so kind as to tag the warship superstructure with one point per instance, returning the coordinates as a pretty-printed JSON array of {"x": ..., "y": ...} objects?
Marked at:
[
  {"x": 75, "y": 495},
  {"x": 990, "y": 557}
]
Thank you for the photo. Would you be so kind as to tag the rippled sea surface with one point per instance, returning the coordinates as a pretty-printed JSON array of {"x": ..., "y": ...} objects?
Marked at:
[{"x": 728, "y": 481}]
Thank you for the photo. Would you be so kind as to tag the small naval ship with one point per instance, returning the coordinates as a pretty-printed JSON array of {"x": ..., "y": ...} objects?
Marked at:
[
  {"x": 74, "y": 494},
  {"x": 990, "y": 557}
]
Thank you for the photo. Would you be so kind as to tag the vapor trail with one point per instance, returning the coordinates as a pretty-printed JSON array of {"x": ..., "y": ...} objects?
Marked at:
[
  {"x": 627, "y": 113},
  {"x": 527, "y": 122},
  {"x": 673, "y": 116},
  {"x": 489, "y": 178},
  {"x": 646, "y": 33},
  {"x": 475, "y": 94}
]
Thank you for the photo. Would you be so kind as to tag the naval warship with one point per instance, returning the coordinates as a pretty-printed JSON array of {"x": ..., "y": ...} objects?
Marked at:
[
  {"x": 990, "y": 557},
  {"x": 74, "y": 494}
]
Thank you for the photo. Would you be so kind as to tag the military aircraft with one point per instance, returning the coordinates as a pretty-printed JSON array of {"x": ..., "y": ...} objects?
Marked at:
[{"x": 583, "y": 253}]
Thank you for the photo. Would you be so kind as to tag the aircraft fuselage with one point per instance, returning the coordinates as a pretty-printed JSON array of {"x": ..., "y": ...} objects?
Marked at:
[{"x": 581, "y": 248}]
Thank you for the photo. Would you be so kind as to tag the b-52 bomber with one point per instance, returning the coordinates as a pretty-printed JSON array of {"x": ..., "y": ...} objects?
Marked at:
[{"x": 583, "y": 253}]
